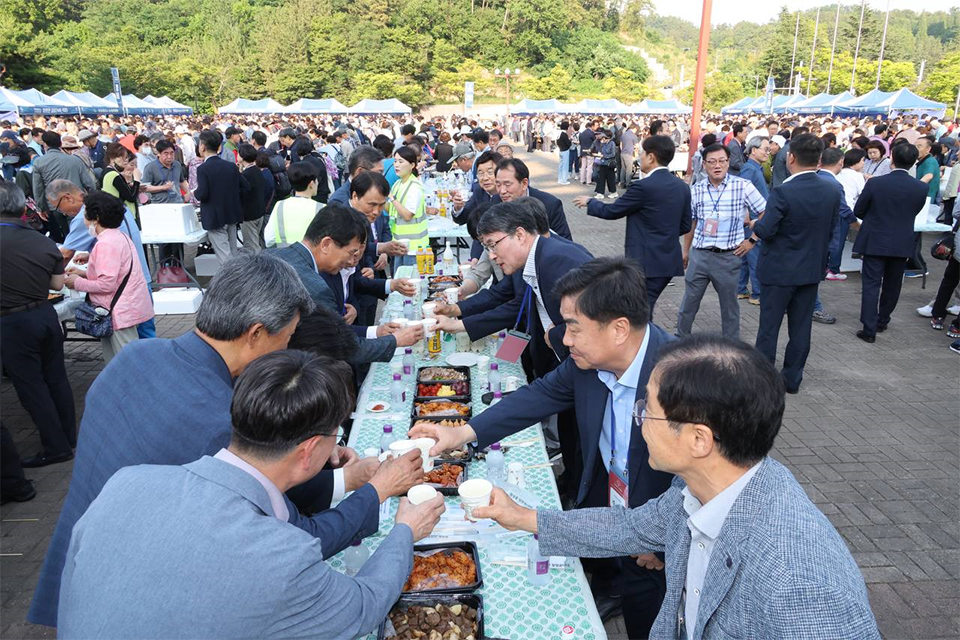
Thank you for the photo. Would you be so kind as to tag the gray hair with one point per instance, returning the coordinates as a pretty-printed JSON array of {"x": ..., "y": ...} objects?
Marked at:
[
  {"x": 507, "y": 217},
  {"x": 251, "y": 290},
  {"x": 754, "y": 143},
  {"x": 363, "y": 157},
  {"x": 12, "y": 200},
  {"x": 59, "y": 188}
]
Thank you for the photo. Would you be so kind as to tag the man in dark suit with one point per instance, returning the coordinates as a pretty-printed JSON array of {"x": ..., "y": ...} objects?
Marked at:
[
  {"x": 484, "y": 188},
  {"x": 887, "y": 206},
  {"x": 796, "y": 229},
  {"x": 513, "y": 181},
  {"x": 332, "y": 242},
  {"x": 657, "y": 209},
  {"x": 613, "y": 348},
  {"x": 219, "y": 188}
]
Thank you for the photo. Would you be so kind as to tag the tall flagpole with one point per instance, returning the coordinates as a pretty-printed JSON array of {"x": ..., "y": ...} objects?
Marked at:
[
  {"x": 813, "y": 50},
  {"x": 702, "y": 49},
  {"x": 856, "y": 53},
  {"x": 793, "y": 59},
  {"x": 883, "y": 43},
  {"x": 833, "y": 47}
]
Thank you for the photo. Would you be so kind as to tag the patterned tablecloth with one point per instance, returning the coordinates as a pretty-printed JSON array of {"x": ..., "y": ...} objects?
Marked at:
[{"x": 513, "y": 607}]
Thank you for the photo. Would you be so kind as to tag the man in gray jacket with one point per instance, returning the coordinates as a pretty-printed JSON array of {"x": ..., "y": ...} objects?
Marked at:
[
  {"x": 747, "y": 554},
  {"x": 204, "y": 550},
  {"x": 57, "y": 165}
]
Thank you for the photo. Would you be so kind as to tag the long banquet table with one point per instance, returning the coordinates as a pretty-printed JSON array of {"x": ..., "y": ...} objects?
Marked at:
[{"x": 513, "y": 608}]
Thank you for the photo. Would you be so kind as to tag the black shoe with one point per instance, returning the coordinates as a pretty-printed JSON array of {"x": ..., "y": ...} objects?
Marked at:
[
  {"x": 26, "y": 493},
  {"x": 866, "y": 338},
  {"x": 881, "y": 328},
  {"x": 41, "y": 460},
  {"x": 793, "y": 391},
  {"x": 608, "y": 607}
]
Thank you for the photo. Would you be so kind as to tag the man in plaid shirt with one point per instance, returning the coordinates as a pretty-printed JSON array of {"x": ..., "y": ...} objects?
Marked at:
[{"x": 721, "y": 206}]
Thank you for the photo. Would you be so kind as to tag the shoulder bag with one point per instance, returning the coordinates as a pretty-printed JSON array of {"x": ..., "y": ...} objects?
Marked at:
[{"x": 94, "y": 320}]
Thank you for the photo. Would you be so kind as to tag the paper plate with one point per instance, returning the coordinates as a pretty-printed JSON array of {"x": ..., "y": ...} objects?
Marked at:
[
  {"x": 378, "y": 406},
  {"x": 462, "y": 359}
]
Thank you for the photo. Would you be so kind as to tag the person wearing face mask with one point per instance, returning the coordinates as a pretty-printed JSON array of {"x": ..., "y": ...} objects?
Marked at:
[
  {"x": 114, "y": 277},
  {"x": 144, "y": 152},
  {"x": 117, "y": 179}
]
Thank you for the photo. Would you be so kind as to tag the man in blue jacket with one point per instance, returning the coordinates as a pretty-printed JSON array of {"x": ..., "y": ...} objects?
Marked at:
[
  {"x": 657, "y": 209},
  {"x": 613, "y": 348}
]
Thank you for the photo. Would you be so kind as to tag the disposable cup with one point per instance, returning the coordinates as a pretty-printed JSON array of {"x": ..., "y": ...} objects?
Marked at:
[
  {"x": 425, "y": 444},
  {"x": 429, "y": 325},
  {"x": 511, "y": 383},
  {"x": 464, "y": 270},
  {"x": 429, "y": 308},
  {"x": 475, "y": 493},
  {"x": 483, "y": 364},
  {"x": 421, "y": 493},
  {"x": 401, "y": 447},
  {"x": 452, "y": 295}
]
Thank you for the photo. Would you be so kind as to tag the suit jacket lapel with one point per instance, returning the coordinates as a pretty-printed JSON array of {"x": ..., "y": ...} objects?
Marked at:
[
  {"x": 590, "y": 424},
  {"x": 638, "y": 446}
]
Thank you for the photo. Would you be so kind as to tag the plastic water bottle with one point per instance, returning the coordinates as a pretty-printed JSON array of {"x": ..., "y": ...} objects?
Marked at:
[
  {"x": 408, "y": 364},
  {"x": 538, "y": 566},
  {"x": 501, "y": 338},
  {"x": 388, "y": 437},
  {"x": 354, "y": 557},
  {"x": 495, "y": 464},
  {"x": 408, "y": 311},
  {"x": 493, "y": 378},
  {"x": 398, "y": 393},
  {"x": 449, "y": 264},
  {"x": 497, "y": 396}
]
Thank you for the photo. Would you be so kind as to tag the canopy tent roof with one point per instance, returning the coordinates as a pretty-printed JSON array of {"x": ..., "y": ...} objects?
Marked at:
[
  {"x": 242, "y": 105},
  {"x": 906, "y": 100},
  {"x": 169, "y": 105},
  {"x": 32, "y": 102},
  {"x": 369, "y": 105},
  {"x": 788, "y": 105},
  {"x": 310, "y": 105},
  {"x": 737, "y": 107},
  {"x": 528, "y": 106},
  {"x": 86, "y": 103},
  {"x": 666, "y": 107},
  {"x": 822, "y": 102},
  {"x": 134, "y": 106},
  {"x": 867, "y": 103},
  {"x": 596, "y": 107}
]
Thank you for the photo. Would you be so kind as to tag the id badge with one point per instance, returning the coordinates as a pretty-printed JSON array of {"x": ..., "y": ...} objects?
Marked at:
[
  {"x": 619, "y": 491},
  {"x": 710, "y": 226},
  {"x": 513, "y": 346}
]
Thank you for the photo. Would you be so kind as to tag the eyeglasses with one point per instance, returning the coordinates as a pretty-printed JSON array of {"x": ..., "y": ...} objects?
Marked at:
[
  {"x": 492, "y": 248},
  {"x": 640, "y": 413},
  {"x": 340, "y": 434},
  {"x": 716, "y": 163}
]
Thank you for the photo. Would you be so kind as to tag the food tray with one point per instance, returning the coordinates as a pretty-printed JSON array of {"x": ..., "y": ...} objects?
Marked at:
[
  {"x": 473, "y": 600},
  {"x": 464, "y": 370},
  {"x": 454, "y": 281},
  {"x": 439, "y": 420},
  {"x": 450, "y": 491},
  {"x": 462, "y": 400},
  {"x": 464, "y": 385},
  {"x": 446, "y": 457},
  {"x": 470, "y": 548}
]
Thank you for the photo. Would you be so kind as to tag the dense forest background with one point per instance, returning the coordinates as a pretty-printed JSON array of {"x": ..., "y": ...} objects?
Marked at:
[{"x": 207, "y": 52}]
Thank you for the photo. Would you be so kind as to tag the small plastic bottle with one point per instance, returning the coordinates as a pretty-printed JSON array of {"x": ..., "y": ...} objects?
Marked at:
[
  {"x": 495, "y": 464},
  {"x": 354, "y": 556},
  {"x": 408, "y": 311},
  {"x": 538, "y": 566},
  {"x": 449, "y": 264},
  {"x": 408, "y": 364},
  {"x": 493, "y": 378},
  {"x": 501, "y": 337},
  {"x": 497, "y": 396},
  {"x": 388, "y": 437},
  {"x": 398, "y": 392}
]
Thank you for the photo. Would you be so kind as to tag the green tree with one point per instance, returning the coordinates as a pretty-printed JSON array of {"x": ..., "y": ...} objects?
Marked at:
[
  {"x": 556, "y": 84},
  {"x": 943, "y": 82}
]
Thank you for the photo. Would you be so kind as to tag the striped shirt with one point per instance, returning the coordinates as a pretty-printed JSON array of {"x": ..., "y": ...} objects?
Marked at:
[{"x": 726, "y": 204}]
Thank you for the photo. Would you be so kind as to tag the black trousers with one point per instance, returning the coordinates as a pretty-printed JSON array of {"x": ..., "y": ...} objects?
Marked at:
[
  {"x": 951, "y": 278},
  {"x": 31, "y": 348},
  {"x": 882, "y": 278},
  {"x": 12, "y": 480},
  {"x": 655, "y": 287},
  {"x": 641, "y": 590},
  {"x": 796, "y": 301},
  {"x": 606, "y": 176},
  {"x": 916, "y": 261}
]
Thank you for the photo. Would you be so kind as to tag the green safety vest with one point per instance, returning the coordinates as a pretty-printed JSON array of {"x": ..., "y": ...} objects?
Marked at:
[
  {"x": 292, "y": 225},
  {"x": 415, "y": 229}
]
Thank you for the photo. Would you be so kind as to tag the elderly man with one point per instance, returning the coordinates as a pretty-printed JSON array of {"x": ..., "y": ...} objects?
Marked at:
[
  {"x": 751, "y": 556},
  {"x": 92, "y": 148},
  {"x": 463, "y": 157},
  {"x": 57, "y": 165},
  {"x": 132, "y": 561},
  {"x": 513, "y": 182},
  {"x": 250, "y": 309},
  {"x": 163, "y": 178},
  {"x": 757, "y": 152},
  {"x": 362, "y": 159}
]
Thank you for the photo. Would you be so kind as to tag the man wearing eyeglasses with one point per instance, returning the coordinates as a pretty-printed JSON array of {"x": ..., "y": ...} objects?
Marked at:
[
  {"x": 749, "y": 555},
  {"x": 721, "y": 206},
  {"x": 613, "y": 348}
]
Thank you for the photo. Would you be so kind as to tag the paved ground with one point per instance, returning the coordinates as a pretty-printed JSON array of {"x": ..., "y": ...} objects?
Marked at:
[{"x": 872, "y": 436}]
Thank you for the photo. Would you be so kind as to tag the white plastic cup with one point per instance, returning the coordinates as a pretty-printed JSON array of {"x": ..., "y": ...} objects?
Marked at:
[
  {"x": 401, "y": 447},
  {"x": 429, "y": 309},
  {"x": 452, "y": 295},
  {"x": 421, "y": 493},
  {"x": 425, "y": 444},
  {"x": 511, "y": 383},
  {"x": 515, "y": 474},
  {"x": 483, "y": 364},
  {"x": 465, "y": 269},
  {"x": 406, "y": 244},
  {"x": 475, "y": 493},
  {"x": 403, "y": 322},
  {"x": 429, "y": 326}
]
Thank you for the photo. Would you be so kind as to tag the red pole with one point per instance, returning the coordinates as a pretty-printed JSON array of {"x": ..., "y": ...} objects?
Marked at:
[{"x": 698, "y": 86}]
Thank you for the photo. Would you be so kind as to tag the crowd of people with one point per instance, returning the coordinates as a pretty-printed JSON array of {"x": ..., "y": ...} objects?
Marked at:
[{"x": 309, "y": 219}]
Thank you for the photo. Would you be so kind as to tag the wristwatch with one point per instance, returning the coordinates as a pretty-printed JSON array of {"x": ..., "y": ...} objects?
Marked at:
[{"x": 752, "y": 240}]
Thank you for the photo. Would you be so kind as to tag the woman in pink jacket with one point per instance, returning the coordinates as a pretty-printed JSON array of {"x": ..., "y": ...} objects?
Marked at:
[{"x": 112, "y": 258}]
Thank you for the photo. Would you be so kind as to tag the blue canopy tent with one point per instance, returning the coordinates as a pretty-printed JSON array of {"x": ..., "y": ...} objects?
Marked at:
[
  {"x": 31, "y": 102},
  {"x": 611, "y": 106},
  {"x": 369, "y": 105},
  {"x": 789, "y": 105},
  {"x": 134, "y": 106},
  {"x": 906, "y": 101},
  {"x": 865, "y": 104},
  {"x": 242, "y": 105},
  {"x": 670, "y": 107},
  {"x": 822, "y": 102},
  {"x": 738, "y": 107},
  {"x": 311, "y": 105},
  {"x": 528, "y": 106},
  {"x": 169, "y": 105},
  {"x": 87, "y": 104}
]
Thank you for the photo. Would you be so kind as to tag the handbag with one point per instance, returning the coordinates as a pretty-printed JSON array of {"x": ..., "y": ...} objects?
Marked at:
[
  {"x": 945, "y": 246},
  {"x": 171, "y": 271},
  {"x": 94, "y": 320}
]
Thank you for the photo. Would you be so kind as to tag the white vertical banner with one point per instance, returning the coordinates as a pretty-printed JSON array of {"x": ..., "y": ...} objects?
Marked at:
[{"x": 468, "y": 95}]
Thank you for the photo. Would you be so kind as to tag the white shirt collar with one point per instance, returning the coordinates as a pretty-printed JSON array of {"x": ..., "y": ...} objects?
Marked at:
[
  {"x": 709, "y": 518},
  {"x": 794, "y": 175},
  {"x": 530, "y": 267},
  {"x": 277, "y": 501}
]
